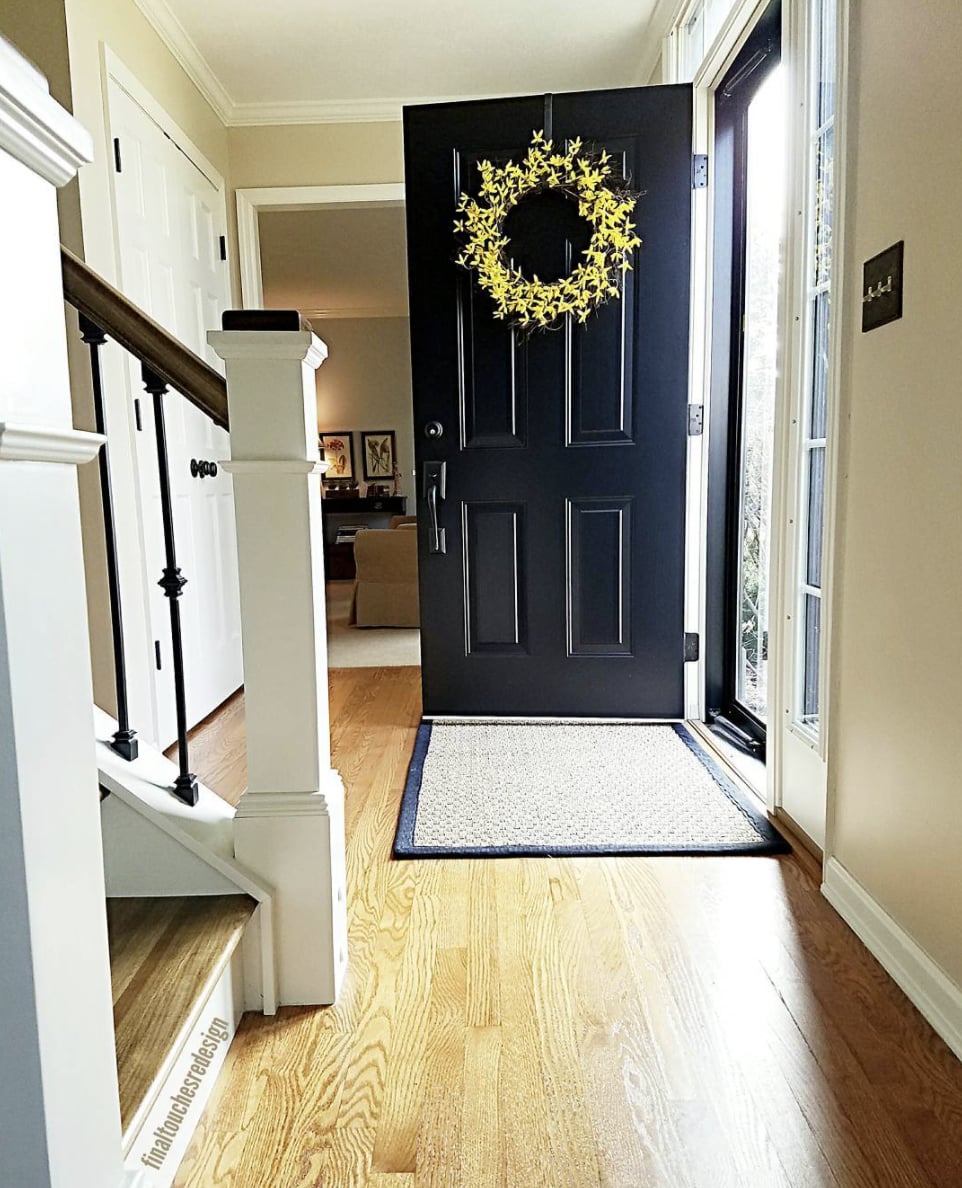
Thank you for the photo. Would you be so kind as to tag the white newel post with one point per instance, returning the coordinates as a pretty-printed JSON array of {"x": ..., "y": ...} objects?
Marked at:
[
  {"x": 289, "y": 827},
  {"x": 59, "y": 1111}
]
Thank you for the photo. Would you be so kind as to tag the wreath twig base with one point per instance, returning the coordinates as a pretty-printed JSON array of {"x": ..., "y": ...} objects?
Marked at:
[{"x": 585, "y": 177}]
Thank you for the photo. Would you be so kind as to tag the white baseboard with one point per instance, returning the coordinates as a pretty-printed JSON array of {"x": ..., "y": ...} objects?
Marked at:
[{"x": 926, "y": 985}]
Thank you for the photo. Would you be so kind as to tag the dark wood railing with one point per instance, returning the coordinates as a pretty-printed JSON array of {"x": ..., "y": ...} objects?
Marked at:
[
  {"x": 145, "y": 339},
  {"x": 105, "y": 313}
]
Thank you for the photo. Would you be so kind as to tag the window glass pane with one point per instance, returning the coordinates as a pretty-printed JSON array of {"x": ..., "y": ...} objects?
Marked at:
[
  {"x": 810, "y": 659},
  {"x": 819, "y": 399},
  {"x": 765, "y": 191},
  {"x": 824, "y": 202},
  {"x": 816, "y": 514},
  {"x": 694, "y": 34},
  {"x": 825, "y": 32}
]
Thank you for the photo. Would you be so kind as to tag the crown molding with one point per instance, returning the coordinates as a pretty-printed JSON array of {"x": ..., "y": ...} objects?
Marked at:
[
  {"x": 337, "y": 111},
  {"x": 180, "y": 43},
  {"x": 327, "y": 111}
]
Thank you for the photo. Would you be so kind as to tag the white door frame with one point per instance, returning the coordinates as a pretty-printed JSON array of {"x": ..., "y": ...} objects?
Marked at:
[
  {"x": 729, "y": 41},
  {"x": 134, "y": 580},
  {"x": 251, "y": 202},
  {"x": 795, "y": 372}
]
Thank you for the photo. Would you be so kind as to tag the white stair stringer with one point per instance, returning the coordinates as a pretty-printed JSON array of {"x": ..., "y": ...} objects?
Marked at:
[{"x": 155, "y": 845}]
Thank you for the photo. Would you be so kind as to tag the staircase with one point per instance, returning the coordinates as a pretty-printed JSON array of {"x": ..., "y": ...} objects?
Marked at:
[
  {"x": 191, "y": 945},
  {"x": 113, "y": 1037},
  {"x": 177, "y": 985}
]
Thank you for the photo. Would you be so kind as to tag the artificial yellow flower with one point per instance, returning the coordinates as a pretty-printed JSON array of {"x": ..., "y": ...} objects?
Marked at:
[{"x": 533, "y": 303}]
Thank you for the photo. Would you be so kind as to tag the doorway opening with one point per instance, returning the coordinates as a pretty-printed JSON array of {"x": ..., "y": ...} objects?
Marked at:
[
  {"x": 750, "y": 131},
  {"x": 344, "y": 267}
]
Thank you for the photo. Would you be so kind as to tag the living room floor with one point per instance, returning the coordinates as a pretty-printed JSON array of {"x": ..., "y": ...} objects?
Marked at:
[
  {"x": 365, "y": 647},
  {"x": 540, "y": 1022}
]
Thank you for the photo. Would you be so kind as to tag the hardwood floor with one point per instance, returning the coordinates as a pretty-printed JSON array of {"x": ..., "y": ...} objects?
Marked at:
[{"x": 543, "y": 1023}]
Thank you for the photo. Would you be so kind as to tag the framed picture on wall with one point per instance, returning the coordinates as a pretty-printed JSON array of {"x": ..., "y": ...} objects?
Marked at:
[
  {"x": 337, "y": 449},
  {"x": 379, "y": 452}
]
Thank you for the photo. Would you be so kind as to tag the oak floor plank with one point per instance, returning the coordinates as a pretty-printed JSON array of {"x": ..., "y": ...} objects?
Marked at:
[
  {"x": 395, "y": 1147},
  {"x": 481, "y": 1152},
  {"x": 566, "y": 1023},
  {"x": 560, "y": 1038},
  {"x": 528, "y": 1155},
  {"x": 442, "y": 1121},
  {"x": 739, "y": 1147}
]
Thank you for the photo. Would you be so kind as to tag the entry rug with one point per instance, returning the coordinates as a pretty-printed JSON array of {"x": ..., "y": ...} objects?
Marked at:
[{"x": 489, "y": 789}]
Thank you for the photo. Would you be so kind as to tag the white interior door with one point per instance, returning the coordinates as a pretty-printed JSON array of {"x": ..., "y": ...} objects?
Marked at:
[{"x": 170, "y": 217}]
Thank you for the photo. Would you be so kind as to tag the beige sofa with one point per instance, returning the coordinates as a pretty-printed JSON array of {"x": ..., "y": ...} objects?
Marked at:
[{"x": 386, "y": 587}]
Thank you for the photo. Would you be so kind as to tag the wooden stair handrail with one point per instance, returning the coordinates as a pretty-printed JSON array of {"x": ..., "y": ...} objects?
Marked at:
[{"x": 144, "y": 338}]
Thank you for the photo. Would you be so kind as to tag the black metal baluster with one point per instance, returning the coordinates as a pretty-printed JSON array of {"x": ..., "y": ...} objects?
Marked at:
[
  {"x": 172, "y": 583},
  {"x": 124, "y": 741}
]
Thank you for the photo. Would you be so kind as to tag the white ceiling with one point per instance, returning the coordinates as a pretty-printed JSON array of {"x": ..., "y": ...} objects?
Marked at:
[
  {"x": 335, "y": 263},
  {"x": 341, "y": 59}
]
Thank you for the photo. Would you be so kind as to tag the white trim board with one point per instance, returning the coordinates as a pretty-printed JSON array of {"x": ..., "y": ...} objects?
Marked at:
[
  {"x": 924, "y": 983},
  {"x": 250, "y": 202}
]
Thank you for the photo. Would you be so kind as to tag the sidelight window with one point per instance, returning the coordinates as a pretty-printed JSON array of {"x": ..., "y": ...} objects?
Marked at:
[{"x": 814, "y": 419}]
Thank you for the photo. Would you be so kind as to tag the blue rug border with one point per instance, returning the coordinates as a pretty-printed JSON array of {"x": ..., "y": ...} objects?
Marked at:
[{"x": 770, "y": 842}]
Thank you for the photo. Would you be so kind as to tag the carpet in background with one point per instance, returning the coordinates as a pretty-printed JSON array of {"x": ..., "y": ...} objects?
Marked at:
[{"x": 365, "y": 647}]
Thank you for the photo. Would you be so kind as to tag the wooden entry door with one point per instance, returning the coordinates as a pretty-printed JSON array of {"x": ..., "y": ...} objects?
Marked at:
[{"x": 560, "y": 591}]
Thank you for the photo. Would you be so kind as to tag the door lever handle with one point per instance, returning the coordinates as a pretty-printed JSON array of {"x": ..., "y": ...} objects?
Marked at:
[{"x": 435, "y": 481}]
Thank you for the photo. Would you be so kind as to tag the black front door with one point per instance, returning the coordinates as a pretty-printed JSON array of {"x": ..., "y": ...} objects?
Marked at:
[{"x": 561, "y": 585}]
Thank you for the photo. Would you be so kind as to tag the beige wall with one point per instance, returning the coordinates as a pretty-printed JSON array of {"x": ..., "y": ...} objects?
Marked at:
[
  {"x": 365, "y": 383},
  {"x": 895, "y": 763},
  {"x": 311, "y": 155},
  {"x": 316, "y": 154}
]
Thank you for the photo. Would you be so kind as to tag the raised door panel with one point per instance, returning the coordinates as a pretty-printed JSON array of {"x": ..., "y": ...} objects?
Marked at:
[
  {"x": 599, "y": 577},
  {"x": 492, "y": 357},
  {"x": 599, "y": 355},
  {"x": 494, "y": 569}
]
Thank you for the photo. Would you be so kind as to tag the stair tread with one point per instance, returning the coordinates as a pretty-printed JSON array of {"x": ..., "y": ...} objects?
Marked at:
[{"x": 165, "y": 954}]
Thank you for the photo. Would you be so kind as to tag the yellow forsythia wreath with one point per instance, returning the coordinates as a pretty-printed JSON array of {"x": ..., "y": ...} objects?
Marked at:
[{"x": 530, "y": 303}]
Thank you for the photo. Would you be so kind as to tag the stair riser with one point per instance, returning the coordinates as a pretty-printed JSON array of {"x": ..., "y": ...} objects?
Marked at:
[{"x": 161, "y": 1140}]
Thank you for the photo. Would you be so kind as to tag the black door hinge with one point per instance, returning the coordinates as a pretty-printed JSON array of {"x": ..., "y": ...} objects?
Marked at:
[
  {"x": 137, "y": 421},
  {"x": 157, "y": 654},
  {"x": 699, "y": 171},
  {"x": 692, "y": 646},
  {"x": 696, "y": 420},
  {"x": 223, "y": 247},
  {"x": 117, "y": 162}
]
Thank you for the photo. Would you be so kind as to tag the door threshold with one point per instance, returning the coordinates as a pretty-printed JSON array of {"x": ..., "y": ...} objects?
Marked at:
[{"x": 748, "y": 770}]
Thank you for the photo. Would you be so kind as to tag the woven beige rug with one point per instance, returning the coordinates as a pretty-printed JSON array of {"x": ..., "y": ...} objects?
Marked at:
[{"x": 499, "y": 788}]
